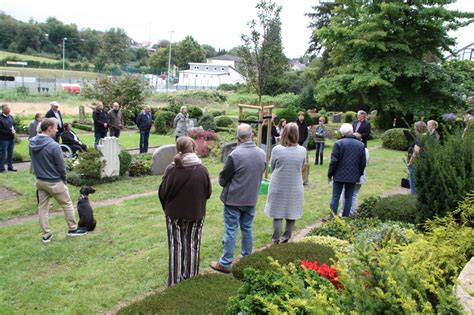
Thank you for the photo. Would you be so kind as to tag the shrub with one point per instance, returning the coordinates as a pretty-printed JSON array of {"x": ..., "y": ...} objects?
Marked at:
[
  {"x": 345, "y": 228},
  {"x": 383, "y": 233},
  {"x": 349, "y": 117},
  {"x": 338, "y": 245},
  {"x": 80, "y": 126},
  {"x": 207, "y": 135},
  {"x": 289, "y": 114},
  {"x": 365, "y": 209},
  {"x": 217, "y": 113},
  {"x": 20, "y": 126},
  {"x": 395, "y": 139},
  {"x": 202, "y": 148},
  {"x": 164, "y": 121},
  {"x": 195, "y": 112},
  {"x": 283, "y": 253},
  {"x": 207, "y": 122},
  {"x": 89, "y": 165},
  {"x": 286, "y": 100},
  {"x": 125, "y": 160},
  {"x": 203, "y": 294},
  {"x": 396, "y": 208},
  {"x": 443, "y": 174},
  {"x": 224, "y": 121},
  {"x": 138, "y": 168}
]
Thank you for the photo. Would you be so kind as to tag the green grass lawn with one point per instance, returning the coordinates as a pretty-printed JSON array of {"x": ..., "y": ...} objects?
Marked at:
[
  {"x": 126, "y": 257},
  {"x": 128, "y": 140}
]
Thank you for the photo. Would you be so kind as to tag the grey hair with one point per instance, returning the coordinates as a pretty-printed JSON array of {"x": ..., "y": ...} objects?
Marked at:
[
  {"x": 346, "y": 129},
  {"x": 244, "y": 132},
  {"x": 361, "y": 112}
]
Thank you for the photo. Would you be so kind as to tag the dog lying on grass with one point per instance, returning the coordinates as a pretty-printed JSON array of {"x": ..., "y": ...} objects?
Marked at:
[{"x": 86, "y": 215}]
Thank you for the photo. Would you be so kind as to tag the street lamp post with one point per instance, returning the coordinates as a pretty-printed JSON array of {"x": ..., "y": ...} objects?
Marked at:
[
  {"x": 64, "y": 52},
  {"x": 169, "y": 64}
]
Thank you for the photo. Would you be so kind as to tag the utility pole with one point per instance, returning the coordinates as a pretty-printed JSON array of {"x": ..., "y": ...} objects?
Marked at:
[
  {"x": 169, "y": 64},
  {"x": 64, "y": 52}
]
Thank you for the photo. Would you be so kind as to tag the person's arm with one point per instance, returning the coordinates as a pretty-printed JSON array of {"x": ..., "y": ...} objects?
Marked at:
[
  {"x": 4, "y": 130},
  {"x": 334, "y": 161},
  {"x": 139, "y": 120},
  {"x": 176, "y": 119},
  {"x": 363, "y": 163},
  {"x": 59, "y": 162},
  {"x": 208, "y": 185},
  {"x": 367, "y": 129},
  {"x": 227, "y": 172}
]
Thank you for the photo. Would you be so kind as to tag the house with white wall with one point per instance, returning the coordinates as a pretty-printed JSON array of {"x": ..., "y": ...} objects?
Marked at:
[{"x": 210, "y": 75}]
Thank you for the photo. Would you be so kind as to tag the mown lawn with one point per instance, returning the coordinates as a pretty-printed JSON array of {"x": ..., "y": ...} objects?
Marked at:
[{"x": 126, "y": 257}]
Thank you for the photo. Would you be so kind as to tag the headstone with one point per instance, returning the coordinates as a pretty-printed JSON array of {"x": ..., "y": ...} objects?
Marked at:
[
  {"x": 205, "y": 111},
  {"x": 162, "y": 157},
  {"x": 227, "y": 149},
  {"x": 466, "y": 285},
  {"x": 110, "y": 149},
  {"x": 192, "y": 122},
  {"x": 336, "y": 118},
  {"x": 373, "y": 113},
  {"x": 82, "y": 114}
]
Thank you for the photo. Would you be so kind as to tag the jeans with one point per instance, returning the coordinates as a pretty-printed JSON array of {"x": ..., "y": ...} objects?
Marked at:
[
  {"x": 336, "y": 194},
  {"x": 319, "y": 152},
  {"x": 233, "y": 216},
  {"x": 411, "y": 179},
  {"x": 6, "y": 151},
  {"x": 144, "y": 135},
  {"x": 99, "y": 135},
  {"x": 355, "y": 203}
]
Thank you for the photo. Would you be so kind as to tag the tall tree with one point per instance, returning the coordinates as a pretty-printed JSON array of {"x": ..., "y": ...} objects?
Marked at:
[
  {"x": 382, "y": 54},
  {"x": 159, "y": 60},
  {"x": 262, "y": 53},
  {"x": 209, "y": 50},
  {"x": 116, "y": 43},
  {"x": 188, "y": 50}
]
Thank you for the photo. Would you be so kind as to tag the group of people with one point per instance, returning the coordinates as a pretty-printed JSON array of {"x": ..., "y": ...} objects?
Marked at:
[{"x": 186, "y": 186}]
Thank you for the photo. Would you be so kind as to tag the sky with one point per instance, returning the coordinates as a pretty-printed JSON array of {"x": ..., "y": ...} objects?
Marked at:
[{"x": 218, "y": 23}]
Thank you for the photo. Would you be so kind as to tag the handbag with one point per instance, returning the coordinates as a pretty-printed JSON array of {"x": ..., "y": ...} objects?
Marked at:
[{"x": 405, "y": 183}]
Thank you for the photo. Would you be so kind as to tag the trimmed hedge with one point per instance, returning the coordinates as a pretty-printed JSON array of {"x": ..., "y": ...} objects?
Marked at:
[
  {"x": 207, "y": 122},
  {"x": 204, "y": 294},
  {"x": 284, "y": 253},
  {"x": 349, "y": 117},
  {"x": 224, "y": 121},
  {"x": 164, "y": 121},
  {"x": 80, "y": 126},
  {"x": 395, "y": 139},
  {"x": 396, "y": 208}
]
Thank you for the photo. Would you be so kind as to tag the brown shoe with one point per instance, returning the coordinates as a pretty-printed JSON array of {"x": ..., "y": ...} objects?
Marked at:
[{"x": 218, "y": 267}]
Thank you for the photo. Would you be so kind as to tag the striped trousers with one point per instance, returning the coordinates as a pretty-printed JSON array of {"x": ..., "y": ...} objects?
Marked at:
[{"x": 184, "y": 241}]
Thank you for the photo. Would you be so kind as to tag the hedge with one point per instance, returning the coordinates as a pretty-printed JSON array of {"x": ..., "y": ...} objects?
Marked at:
[{"x": 395, "y": 139}]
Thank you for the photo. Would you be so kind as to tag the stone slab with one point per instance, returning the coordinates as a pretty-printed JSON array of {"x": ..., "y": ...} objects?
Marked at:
[
  {"x": 162, "y": 157},
  {"x": 227, "y": 149},
  {"x": 466, "y": 285}
]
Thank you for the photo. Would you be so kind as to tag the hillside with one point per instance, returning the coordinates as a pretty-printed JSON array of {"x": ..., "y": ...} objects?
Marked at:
[{"x": 20, "y": 57}]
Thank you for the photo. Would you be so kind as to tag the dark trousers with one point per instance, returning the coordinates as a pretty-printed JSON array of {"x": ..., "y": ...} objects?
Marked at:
[
  {"x": 77, "y": 147},
  {"x": 319, "y": 152},
  {"x": 184, "y": 242},
  {"x": 99, "y": 135},
  {"x": 115, "y": 132},
  {"x": 6, "y": 151},
  {"x": 144, "y": 135},
  {"x": 336, "y": 194}
]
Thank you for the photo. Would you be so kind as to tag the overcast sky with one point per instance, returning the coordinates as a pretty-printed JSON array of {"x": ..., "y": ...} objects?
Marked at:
[{"x": 218, "y": 23}]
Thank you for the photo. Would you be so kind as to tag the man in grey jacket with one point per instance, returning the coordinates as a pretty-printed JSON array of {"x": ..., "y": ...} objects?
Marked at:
[
  {"x": 50, "y": 170},
  {"x": 241, "y": 178}
]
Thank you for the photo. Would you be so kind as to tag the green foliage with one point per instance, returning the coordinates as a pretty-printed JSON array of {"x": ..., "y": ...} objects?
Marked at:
[
  {"x": 224, "y": 121},
  {"x": 207, "y": 122},
  {"x": 443, "y": 174},
  {"x": 140, "y": 165},
  {"x": 17, "y": 157},
  {"x": 125, "y": 160},
  {"x": 89, "y": 165},
  {"x": 195, "y": 112},
  {"x": 188, "y": 50},
  {"x": 164, "y": 121},
  {"x": 192, "y": 97},
  {"x": 284, "y": 253},
  {"x": 80, "y": 126},
  {"x": 345, "y": 228},
  {"x": 289, "y": 114},
  {"x": 338, "y": 245},
  {"x": 365, "y": 209},
  {"x": 127, "y": 90},
  {"x": 20, "y": 126},
  {"x": 217, "y": 113},
  {"x": 350, "y": 116},
  {"x": 286, "y": 100},
  {"x": 204, "y": 294},
  {"x": 307, "y": 97},
  {"x": 396, "y": 208},
  {"x": 395, "y": 139}
]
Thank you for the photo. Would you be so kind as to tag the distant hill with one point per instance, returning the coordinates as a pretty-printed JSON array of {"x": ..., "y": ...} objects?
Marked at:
[{"x": 6, "y": 55}]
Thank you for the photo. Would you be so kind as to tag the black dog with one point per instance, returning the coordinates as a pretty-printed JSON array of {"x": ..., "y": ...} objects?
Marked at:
[{"x": 86, "y": 216}]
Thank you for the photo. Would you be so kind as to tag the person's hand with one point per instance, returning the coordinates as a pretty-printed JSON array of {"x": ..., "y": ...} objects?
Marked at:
[
  {"x": 105, "y": 125},
  {"x": 329, "y": 179}
]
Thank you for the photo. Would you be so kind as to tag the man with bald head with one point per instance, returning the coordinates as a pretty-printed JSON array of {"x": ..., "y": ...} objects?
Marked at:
[
  {"x": 115, "y": 120},
  {"x": 241, "y": 178},
  {"x": 144, "y": 123}
]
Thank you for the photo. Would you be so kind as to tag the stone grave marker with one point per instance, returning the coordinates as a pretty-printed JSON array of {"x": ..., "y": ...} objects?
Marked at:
[
  {"x": 336, "y": 118},
  {"x": 110, "y": 149},
  {"x": 227, "y": 149},
  {"x": 162, "y": 157},
  {"x": 82, "y": 114}
]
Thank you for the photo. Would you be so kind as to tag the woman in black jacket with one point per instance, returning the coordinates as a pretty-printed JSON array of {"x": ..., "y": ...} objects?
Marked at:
[{"x": 183, "y": 194}]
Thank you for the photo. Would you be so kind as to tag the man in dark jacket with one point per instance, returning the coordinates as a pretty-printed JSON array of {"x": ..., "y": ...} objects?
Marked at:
[
  {"x": 54, "y": 112},
  {"x": 144, "y": 123},
  {"x": 347, "y": 166},
  {"x": 70, "y": 139},
  {"x": 362, "y": 126},
  {"x": 99, "y": 116},
  {"x": 302, "y": 128},
  {"x": 241, "y": 178},
  {"x": 7, "y": 139},
  {"x": 115, "y": 120},
  {"x": 50, "y": 170}
]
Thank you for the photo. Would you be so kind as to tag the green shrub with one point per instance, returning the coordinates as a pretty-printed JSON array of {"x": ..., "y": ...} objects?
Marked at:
[
  {"x": 289, "y": 114},
  {"x": 380, "y": 235},
  {"x": 286, "y": 100},
  {"x": 349, "y": 117},
  {"x": 164, "y": 121},
  {"x": 395, "y": 139},
  {"x": 80, "y": 126},
  {"x": 195, "y": 112},
  {"x": 443, "y": 174},
  {"x": 207, "y": 122},
  {"x": 396, "y": 208},
  {"x": 20, "y": 126},
  {"x": 345, "y": 228},
  {"x": 217, "y": 113},
  {"x": 173, "y": 108},
  {"x": 365, "y": 209},
  {"x": 338, "y": 245},
  {"x": 77, "y": 180},
  {"x": 224, "y": 121},
  {"x": 89, "y": 165},
  {"x": 125, "y": 160},
  {"x": 204, "y": 294},
  {"x": 138, "y": 168},
  {"x": 283, "y": 253}
]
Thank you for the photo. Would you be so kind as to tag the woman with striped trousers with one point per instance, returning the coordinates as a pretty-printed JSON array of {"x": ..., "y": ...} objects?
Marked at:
[{"x": 183, "y": 194}]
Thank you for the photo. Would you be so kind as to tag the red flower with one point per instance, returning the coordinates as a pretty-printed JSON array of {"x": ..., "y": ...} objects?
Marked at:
[{"x": 324, "y": 271}]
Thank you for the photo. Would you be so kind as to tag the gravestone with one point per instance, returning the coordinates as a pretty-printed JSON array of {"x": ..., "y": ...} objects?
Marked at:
[
  {"x": 82, "y": 114},
  {"x": 110, "y": 149},
  {"x": 205, "y": 111},
  {"x": 162, "y": 157},
  {"x": 227, "y": 149},
  {"x": 466, "y": 285},
  {"x": 336, "y": 118}
]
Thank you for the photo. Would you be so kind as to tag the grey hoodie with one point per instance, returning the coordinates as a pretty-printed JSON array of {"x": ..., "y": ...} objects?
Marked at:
[{"x": 47, "y": 159}]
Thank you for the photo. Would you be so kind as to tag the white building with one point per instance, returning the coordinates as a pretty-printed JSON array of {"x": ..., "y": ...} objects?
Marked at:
[
  {"x": 217, "y": 71},
  {"x": 465, "y": 53}
]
